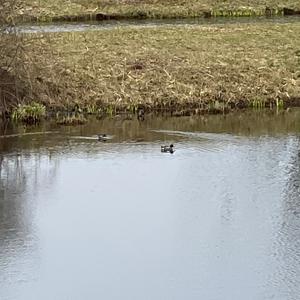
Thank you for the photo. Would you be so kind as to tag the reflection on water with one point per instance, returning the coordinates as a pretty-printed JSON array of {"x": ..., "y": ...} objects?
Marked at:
[
  {"x": 219, "y": 219},
  {"x": 287, "y": 243}
]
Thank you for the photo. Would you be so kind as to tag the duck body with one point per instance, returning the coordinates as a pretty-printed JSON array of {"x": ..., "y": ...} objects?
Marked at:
[
  {"x": 102, "y": 137},
  {"x": 168, "y": 149},
  {"x": 141, "y": 115}
]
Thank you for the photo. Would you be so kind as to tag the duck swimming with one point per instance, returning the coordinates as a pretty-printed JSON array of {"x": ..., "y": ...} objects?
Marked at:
[
  {"x": 167, "y": 149},
  {"x": 141, "y": 115},
  {"x": 102, "y": 137}
]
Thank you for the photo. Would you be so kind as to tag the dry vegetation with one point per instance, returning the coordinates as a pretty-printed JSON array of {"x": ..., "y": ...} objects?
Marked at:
[
  {"x": 84, "y": 9},
  {"x": 10, "y": 56},
  {"x": 199, "y": 68}
]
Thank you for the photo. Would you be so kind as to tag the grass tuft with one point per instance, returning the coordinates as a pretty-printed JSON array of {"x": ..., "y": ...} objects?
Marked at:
[{"x": 29, "y": 113}]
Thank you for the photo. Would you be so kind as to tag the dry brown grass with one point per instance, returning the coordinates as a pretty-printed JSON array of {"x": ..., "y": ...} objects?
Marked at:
[
  {"x": 46, "y": 10},
  {"x": 10, "y": 53},
  {"x": 200, "y": 67}
]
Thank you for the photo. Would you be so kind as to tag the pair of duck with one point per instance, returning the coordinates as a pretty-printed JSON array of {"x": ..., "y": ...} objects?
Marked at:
[{"x": 165, "y": 149}]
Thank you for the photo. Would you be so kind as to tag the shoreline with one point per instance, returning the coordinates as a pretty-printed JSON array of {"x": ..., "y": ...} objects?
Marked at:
[
  {"x": 74, "y": 118},
  {"x": 100, "y": 10}
]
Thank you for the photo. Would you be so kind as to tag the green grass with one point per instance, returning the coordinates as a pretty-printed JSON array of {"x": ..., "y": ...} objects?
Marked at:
[
  {"x": 29, "y": 113},
  {"x": 203, "y": 68},
  {"x": 46, "y": 10}
]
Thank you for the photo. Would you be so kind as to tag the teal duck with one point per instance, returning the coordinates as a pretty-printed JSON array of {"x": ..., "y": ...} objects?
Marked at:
[
  {"x": 168, "y": 149},
  {"x": 102, "y": 137}
]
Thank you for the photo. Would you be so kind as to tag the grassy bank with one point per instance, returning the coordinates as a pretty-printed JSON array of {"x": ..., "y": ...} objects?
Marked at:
[
  {"x": 199, "y": 69},
  {"x": 58, "y": 10}
]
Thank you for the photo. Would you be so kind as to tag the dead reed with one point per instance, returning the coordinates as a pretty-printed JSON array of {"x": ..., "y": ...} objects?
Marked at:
[{"x": 59, "y": 10}]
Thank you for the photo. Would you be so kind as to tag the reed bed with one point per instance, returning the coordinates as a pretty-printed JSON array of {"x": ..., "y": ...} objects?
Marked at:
[
  {"x": 29, "y": 113},
  {"x": 83, "y": 10},
  {"x": 189, "y": 68}
]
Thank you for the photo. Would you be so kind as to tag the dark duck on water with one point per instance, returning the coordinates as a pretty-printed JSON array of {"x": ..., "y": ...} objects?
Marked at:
[
  {"x": 102, "y": 137},
  {"x": 168, "y": 149}
]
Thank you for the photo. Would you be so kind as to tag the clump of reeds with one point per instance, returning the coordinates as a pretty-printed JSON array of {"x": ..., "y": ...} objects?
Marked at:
[
  {"x": 258, "y": 103},
  {"x": 29, "y": 113}
]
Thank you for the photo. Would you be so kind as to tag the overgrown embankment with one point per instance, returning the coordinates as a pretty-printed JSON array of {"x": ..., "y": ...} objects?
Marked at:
[
  {"x": 11, "y": 86},
  {"x": 84, "y": 10},
  {"x": 183, "y": 69}
]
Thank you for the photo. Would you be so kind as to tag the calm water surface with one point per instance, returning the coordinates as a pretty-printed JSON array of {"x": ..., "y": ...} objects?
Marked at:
[
  {"x": 107, "y": 25},
  {"x": 217, "y": 220}
]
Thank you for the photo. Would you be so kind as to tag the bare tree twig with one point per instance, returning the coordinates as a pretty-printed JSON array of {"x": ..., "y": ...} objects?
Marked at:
[{"x": 10, "y": 54}]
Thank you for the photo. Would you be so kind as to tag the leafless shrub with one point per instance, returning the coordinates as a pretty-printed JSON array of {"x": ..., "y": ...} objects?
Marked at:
[{"x": 10, "y": 55}]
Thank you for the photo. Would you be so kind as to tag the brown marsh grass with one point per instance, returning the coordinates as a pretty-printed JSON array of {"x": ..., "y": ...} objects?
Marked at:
[
  {"x": 45, "y": 10},
  {"x": 203, "y": 68}
]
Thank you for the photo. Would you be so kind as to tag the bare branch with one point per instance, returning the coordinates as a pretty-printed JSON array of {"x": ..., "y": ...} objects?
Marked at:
[{"x": 10, "y": 53}]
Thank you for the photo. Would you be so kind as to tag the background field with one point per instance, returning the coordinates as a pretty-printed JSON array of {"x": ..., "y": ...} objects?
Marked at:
[{"x": 151, "y": 8}]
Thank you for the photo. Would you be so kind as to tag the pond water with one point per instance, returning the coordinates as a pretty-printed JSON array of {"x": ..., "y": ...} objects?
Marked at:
[
  {"x": 105, "y": 25},
  {"x": 218, "y": 220}
]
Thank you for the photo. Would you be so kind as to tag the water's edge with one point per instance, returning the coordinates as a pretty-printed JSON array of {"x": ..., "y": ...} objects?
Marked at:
[
  {"x": 140, "y": 15},
  {"x": 84, "y": 25}
]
